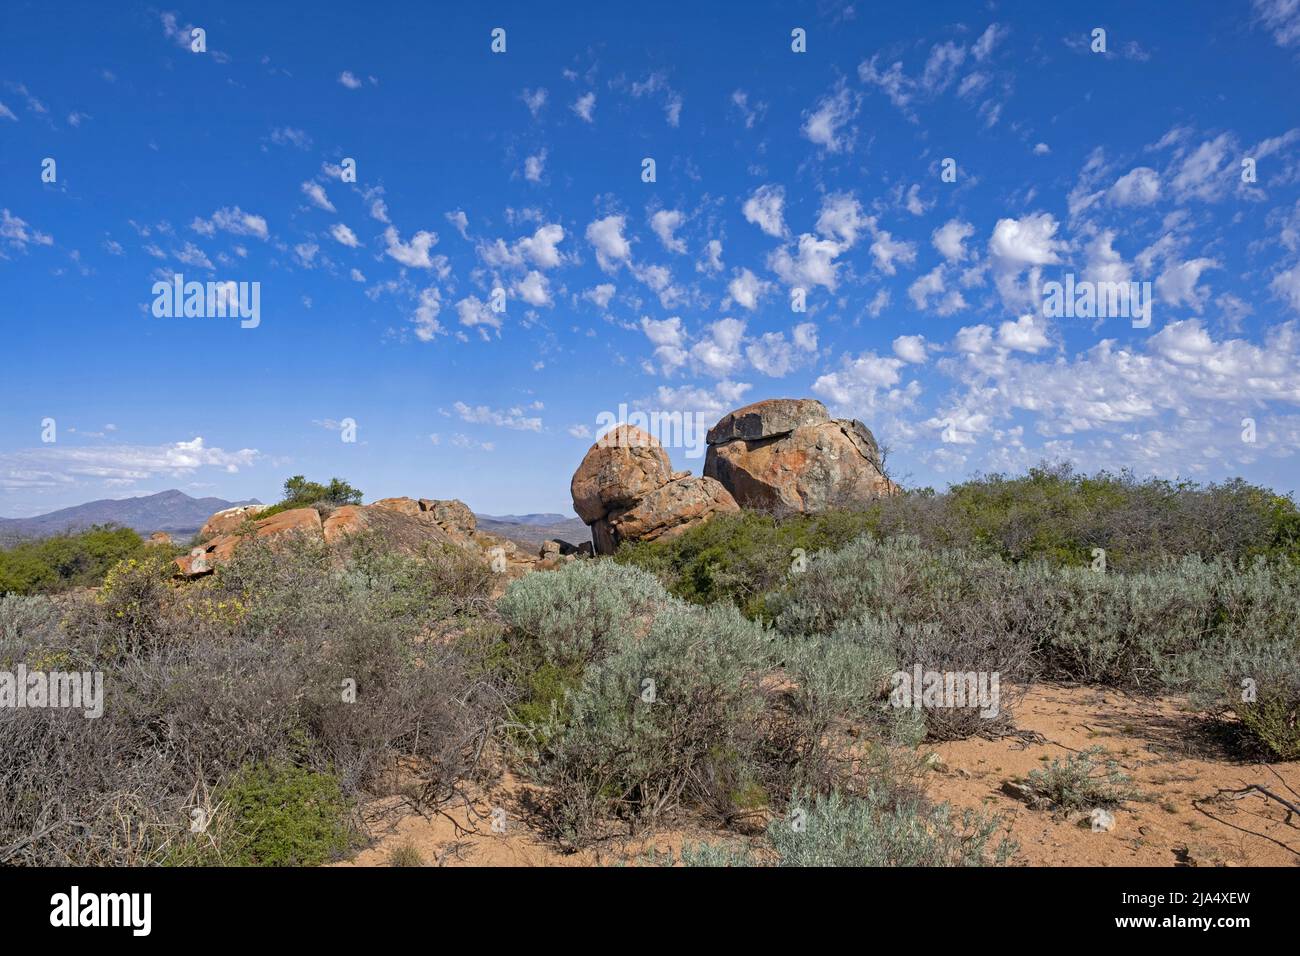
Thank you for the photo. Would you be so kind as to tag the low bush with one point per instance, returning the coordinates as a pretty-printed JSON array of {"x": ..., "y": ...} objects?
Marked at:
[
  {"x": 1080, "y": 782},
  {"x": 67, "y": 561},
  {"x": 878, "y": 827},
  {"x": 281, "y": 659},
  {"x": 272, "y": 815},
  {"x": 666, "y": 719},
  {"x": 301, "y": 493}
]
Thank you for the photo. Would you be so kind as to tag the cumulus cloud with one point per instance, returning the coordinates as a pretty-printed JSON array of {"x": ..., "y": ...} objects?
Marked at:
[
  {"x": 585, "y": 107},
  {"x": 827, "y": 124},
  {"x": 664, "y": 223},
  {"x": 60, "y": 465},
  {"x": 415, "y": 253},
  {"x": 606, "y": 237},
  {"x": 344, "y": 235},
  {"x": 514, "y": 418}
]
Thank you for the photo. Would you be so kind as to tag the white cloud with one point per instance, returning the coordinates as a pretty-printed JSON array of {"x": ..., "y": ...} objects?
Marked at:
[
  {"x": 765, "y": 210},
  {"x": 885, "y": 249},
  {"x": 1203, "y": 174},
  {"x": 534, "y": 166},
  {"x": 825, "y": 125},
  {"x": 812, "y": 265},
  {"x": 989, "y": 39},
  {"x": 1176, "y": 285},
  {"x": 316, "y": 193},
  {"x": 841, "y": 218},
  {"x": 600, "y": 294},
  {"x": 711, "y": 264},
  {"x": 664, "y": 223},
  {"x": 534, "y": 100},
  {"x": 349, "y": 79},
  {"x": 460, "y": 221},
  {"x": 859, "y": 380},
  {"x": 585, "y": 107},
  {"x": 718, "y": 354},
  {"x": 1025, "y": 334},
  {"x": 606, "y": 237},
  {"x": 476, "y": 314},
  {"x": 911, "y": 348},
  {"x": 414, "y": 254},
  {"x": 13, "y": 231},
  {"x": 426, "y": 314},
  {"x": 746, "y": 288},
  {"x": 669, "y": 339},
  {"x": 344, "y": 235},
  {"x": 53, "y": 466},
  {"x": 534, "y": 289},
  {"x": 1286, "y": 285},
  {"x": 1281, "y": 18},
  {"x": 234, "y": 221},
  {"x": 1138, "y": 187},
  {"x": 950, "y": 239},
  {"x": 514, "y": 418},
  {"x": 932, "y": 285}
]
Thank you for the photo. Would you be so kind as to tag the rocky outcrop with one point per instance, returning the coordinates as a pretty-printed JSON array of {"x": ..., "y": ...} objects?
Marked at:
[
  {"x": 788, "y": 455},
  {"x": 228, "y": 520},
  {"x": 626, "y": 490},
  {"x": 405, "y": 525},
  {"x": 204, "y": 558}
]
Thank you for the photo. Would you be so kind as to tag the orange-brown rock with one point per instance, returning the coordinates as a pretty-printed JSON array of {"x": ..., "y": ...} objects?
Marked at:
[
  {"x": 788, "y": 455},
  {"x": 160, "y": 538},
  {"x": 200, "y": 560},
  {"x": 624, "y": 464},
  {"x": 670, "y": 510},
  {"x": 405, "y": 506},
  {"x": 228, "y": 520}
]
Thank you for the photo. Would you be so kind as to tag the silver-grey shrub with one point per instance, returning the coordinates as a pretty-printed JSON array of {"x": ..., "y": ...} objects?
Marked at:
[
  {"x": 668, "y": 717},
  {"x": 875, "y": 828},
  {"x": 574, "y": 613}
]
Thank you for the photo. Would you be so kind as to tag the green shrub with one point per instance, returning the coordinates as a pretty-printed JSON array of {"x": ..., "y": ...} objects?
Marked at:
[
  {"x": 1080, "y": 782},
  {"x": 877, "y": 828},
  {"x": 741, "y": 557},
  {"x": 67, "y": 561},
  {"x": 405, "y": 854},
  {"x": 301, "y": 493},
  {"x": 1050, "y": 515},
  {"x": 277, "y": 815}
]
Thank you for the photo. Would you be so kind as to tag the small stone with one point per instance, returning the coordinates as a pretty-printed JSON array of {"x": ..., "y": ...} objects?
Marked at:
[{"x": 1103, "y": 821}]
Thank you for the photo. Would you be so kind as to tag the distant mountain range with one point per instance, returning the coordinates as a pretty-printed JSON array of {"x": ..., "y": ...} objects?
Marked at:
[
  {"x": 533, "y": 529},
  {"x": 181, "y": 516},
  {"x": 172, "y": 511}
]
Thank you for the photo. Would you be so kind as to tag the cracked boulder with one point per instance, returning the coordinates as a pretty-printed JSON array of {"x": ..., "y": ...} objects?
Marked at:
[{"x": 788, "y": 455}]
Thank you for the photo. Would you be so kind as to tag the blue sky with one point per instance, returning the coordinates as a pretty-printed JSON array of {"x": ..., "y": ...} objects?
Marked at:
[{"x": 523, "y": 171}]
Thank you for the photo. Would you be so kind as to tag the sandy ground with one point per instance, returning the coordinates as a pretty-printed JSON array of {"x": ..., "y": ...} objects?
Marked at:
[{"x": 1173, "y": 759}]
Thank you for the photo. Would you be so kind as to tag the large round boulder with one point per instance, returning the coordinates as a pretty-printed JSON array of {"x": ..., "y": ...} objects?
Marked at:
[
  {"x": 787, "y": 455},
  {"x": 623, "y": 465}
]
